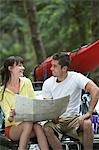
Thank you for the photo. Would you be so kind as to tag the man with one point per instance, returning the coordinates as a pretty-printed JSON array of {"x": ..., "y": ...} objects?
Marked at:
[{"x": 62, "y": 83}]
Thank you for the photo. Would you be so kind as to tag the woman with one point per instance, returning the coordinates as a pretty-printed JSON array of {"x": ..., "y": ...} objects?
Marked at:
[{"x": 14, "y": 83}]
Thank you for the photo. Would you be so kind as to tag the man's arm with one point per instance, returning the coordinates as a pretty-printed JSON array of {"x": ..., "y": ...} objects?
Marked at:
[{"x": 93, "y": 89}]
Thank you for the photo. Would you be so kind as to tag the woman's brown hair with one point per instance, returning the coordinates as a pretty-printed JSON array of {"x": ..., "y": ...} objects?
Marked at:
[{"x": 4, "y": 71}]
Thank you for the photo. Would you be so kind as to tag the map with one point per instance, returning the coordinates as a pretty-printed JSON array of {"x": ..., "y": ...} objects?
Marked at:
[{"x": 28, "y": 109}]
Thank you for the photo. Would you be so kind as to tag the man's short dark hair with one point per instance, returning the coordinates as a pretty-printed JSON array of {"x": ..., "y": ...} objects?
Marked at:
[{"x": 62, "y": 58}]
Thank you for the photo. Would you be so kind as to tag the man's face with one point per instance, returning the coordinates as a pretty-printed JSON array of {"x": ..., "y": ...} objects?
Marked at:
[{"x": 56, "y": 68}]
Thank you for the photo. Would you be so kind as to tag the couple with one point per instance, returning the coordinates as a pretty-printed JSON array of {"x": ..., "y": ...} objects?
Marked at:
[{"x": 62, "y": 83}]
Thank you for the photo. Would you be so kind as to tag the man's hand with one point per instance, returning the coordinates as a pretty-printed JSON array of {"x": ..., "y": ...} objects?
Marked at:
[{"x": 85, "y": 116}]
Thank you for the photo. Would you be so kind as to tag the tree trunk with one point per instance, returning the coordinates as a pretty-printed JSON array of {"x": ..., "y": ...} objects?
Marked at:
[
  {"x": 21, "y": 41},
  {"x": 95, "y": 19},
  {"x": 80, "y": 23},
  {"x": 30, "y": 10}
]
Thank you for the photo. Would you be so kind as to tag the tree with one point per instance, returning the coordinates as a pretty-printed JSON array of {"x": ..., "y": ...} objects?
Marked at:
[
  {"x": 50, "y": 26},
  {"x": 30, "y": 10},
  {"x": 95, "y": 19},
  {"x": 14, "y": 33},
  {"x": 95, "y": 34},
  {"x": 64, "y": 25}
]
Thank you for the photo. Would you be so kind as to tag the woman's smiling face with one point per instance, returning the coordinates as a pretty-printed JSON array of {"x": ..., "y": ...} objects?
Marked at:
[{"x": 17, "y": 70}]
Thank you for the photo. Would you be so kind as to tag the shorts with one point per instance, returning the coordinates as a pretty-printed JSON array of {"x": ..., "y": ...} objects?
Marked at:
[
  {"x": 7, "y": 132},
  {"x": 67, "y": 126}
]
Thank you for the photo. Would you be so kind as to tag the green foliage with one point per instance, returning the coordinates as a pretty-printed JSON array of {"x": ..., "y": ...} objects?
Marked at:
[
  {"x": 64, "y": 26},
  {"x": 15, "y": 36},
  {"x": 64, "y": 22}
]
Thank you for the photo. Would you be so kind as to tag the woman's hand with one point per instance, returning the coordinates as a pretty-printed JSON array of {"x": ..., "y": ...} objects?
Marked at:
[{"x": 11, "y": 115}]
